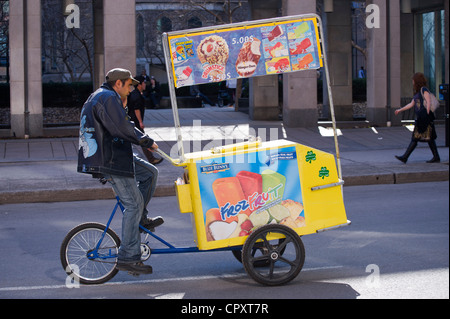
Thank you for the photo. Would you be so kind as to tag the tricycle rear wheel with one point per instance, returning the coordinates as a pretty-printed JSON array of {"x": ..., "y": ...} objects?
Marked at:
[
  {"x": 237, "y": 253},
  {"x": 284, "y": 258}
]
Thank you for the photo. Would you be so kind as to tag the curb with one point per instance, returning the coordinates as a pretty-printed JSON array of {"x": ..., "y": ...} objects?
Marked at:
[
  {"x": 70, "y": 195},
  {"x": 106, "y": 192},
  {"x": 397, "y": 178}
]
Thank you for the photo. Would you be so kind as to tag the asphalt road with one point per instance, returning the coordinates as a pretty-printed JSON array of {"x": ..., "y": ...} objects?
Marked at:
[{"x": 396, "y": 247}]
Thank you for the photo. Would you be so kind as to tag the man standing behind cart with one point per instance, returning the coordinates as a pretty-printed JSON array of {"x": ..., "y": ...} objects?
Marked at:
[
  {"x": 136, "y": 110},
  {"x": 105, "y": 151}
]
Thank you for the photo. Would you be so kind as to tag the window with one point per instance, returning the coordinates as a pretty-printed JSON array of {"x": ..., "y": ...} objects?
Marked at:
[
  {"x": 194, "y": 22},
  {"x": 164, "y": 24},
  {"x": 429, "y": 47},
  {"x": 140, "y": 32},
  {"x": 4, "y": 35}
]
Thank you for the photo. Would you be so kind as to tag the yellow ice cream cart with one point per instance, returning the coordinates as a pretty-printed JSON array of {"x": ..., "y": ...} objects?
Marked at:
[{"x": 255, "y": 198}]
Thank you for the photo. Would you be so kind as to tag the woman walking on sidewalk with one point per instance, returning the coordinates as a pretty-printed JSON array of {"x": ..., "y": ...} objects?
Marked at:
[{"x": 424, "y": 130}]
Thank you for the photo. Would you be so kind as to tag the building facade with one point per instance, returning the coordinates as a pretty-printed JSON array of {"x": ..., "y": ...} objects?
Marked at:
[{"x": 401, "y": 37}]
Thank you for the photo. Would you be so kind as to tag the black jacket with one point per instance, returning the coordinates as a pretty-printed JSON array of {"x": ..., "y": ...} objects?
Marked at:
[
  {"x": 106, "y": 135},
  {"x": 136, "y": 101}
]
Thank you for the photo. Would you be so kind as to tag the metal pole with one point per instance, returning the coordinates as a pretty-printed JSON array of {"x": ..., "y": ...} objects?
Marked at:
[
  {"x": 388, "y": 63},
  {"x": 443, "y": 91},
  {"x": 173, "y": 97},
  {"x": 330, "y": 98},
  {"x": 25, "y": 68}
]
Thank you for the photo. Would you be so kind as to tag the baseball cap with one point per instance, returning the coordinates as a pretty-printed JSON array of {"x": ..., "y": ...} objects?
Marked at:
[{"x": 120, "y": 74}]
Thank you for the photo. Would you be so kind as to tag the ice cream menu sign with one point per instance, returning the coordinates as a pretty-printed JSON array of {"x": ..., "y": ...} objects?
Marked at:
[{"x": 245, "y": 51}]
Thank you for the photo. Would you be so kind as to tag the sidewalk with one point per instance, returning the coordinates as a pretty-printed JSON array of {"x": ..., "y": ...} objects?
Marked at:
[{"x": 44, "y": 170}]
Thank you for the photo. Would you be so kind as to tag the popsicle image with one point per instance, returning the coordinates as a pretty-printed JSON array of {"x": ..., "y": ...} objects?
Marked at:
[
  {"x": 251, "y": 183},
  {"x": 301, "y": 47},
  {"x": 187, "y": 71},
  {"x": 183, "y": 75},
  {"x": 301, "y": 29},
  {"x": 282, "y": 65},
  {"x": 276, "y": 50},
  {"x": 305, "y": 61},
  {"x": 273, "y": 183},
  {"x": 228, "y": 190},
  {"x": 276, "y": 32}
]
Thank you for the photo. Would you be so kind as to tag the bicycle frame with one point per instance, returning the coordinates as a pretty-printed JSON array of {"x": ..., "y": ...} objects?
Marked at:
[{"x": 170, "y": 248}]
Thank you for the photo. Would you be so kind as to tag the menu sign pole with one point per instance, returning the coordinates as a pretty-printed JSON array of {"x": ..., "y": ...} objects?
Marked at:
[
  {"x": 330, "y": 99},
  {"x": 243, "y": 50},
  {"x": 173, "y": 98}
]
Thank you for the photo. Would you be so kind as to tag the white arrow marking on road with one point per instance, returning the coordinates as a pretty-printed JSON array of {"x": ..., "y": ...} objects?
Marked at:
[{"x": 175, "y": 295}]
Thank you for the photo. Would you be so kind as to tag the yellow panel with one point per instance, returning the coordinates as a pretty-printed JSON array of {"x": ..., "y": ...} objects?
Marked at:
[
  {"x": 299, "y": 207},
  {"x": 184, "y": 198},
  {"x": 325, "y": 207}
]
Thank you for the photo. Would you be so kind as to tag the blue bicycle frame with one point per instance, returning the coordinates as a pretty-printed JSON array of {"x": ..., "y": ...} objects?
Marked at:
[{"x": 170, "y": 248}]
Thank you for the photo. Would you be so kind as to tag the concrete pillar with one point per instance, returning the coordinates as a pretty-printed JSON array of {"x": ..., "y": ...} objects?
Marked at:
[
  {"x": 114, "y": 37},
  {"x": 119, "y": 29},
  {"x": 339, "y": 53},
  {"x": 395, "y": 62},
  {"x": 99, "y": 48},
  {"x": 25, "y": 68},
  {"x": 384, "y": 64},
  {"x": 263, "y": 93},
  {"x": 407, "y": 54},
  {"x": 299, "y": 88}
]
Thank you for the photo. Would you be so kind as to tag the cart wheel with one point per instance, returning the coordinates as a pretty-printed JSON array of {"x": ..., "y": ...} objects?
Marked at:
[
  {"x": 258, "y": 246},
  {"x": 284, "y": 259}
]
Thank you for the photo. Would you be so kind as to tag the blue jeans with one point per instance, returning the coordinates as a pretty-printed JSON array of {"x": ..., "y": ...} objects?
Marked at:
[
  {"x": 134, "y": 193},
  {"x": 146, "y": 175}
]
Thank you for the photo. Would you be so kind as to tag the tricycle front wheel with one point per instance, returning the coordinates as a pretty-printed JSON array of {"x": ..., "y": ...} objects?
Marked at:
[
  {"x": 89, "y": 254},
  {"x": 284, "y": 259}
]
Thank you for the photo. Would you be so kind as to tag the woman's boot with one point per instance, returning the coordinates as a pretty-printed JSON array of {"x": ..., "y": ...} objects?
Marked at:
[
  {"x": 409, "y": 150},
  {"x": 434, "y": 150}
]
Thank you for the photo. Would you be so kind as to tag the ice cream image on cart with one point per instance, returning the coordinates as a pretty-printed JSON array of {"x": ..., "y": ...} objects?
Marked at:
[{"x": 255, "y": 198}]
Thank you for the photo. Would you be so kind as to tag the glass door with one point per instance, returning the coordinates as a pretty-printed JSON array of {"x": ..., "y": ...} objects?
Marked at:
[{"x": 429, "y": 47}]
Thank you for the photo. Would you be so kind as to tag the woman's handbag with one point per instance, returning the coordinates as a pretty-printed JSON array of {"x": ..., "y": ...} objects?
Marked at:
[
  {"x": 434, "y": 101},
  {"x": 424, "y": 136}
]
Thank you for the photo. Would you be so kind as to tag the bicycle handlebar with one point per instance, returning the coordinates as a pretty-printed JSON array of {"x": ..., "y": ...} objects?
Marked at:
[{"x": 167, "y": 157}]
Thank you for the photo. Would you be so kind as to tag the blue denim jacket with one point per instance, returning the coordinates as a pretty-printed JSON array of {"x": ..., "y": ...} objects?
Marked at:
[{"x": 106, "y": 135}]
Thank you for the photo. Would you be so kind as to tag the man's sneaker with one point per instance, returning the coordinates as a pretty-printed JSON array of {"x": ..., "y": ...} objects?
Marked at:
[
  {"x": 152, "y": 223},
  {"x": 134, "y": 268}
]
